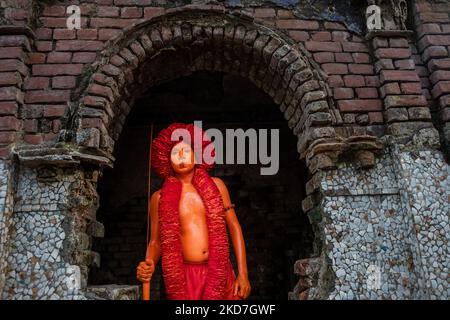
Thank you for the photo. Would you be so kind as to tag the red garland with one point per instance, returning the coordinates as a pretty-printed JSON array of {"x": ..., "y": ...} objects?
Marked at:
[{"x": 170, "y": 232}]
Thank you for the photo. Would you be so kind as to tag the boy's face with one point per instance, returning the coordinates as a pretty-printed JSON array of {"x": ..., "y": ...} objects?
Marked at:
[{"x": 182, "y": 158}]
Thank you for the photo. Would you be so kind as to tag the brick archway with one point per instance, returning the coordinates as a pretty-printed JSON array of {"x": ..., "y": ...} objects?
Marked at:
[{"x": 181, "y": 43}]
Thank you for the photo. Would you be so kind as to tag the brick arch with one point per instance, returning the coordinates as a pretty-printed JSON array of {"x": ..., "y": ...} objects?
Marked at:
[{"x": 180, "y": 43}]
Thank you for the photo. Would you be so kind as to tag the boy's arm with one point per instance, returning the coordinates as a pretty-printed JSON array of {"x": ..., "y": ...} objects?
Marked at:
[{"x": 235, "y": 229}]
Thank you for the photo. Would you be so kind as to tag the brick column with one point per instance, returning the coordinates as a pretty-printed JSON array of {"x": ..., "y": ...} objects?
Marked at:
[
  {"x": 432, "y": 20},
  {"x": 405, "y": 107},
  {"x": 14, "y": 46}
]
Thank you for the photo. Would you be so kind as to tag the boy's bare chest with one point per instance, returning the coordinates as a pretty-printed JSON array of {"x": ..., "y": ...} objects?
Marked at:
[{"x": 191, "y": 204}]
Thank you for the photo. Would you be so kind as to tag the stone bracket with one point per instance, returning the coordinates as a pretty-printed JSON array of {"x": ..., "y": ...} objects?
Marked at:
[
  {"x": 60, "y": 156},
  {"x": 326, "y": 153}
]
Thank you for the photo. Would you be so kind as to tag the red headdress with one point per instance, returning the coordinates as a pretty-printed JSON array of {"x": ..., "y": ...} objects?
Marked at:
[{"x": 170, "y": 233}]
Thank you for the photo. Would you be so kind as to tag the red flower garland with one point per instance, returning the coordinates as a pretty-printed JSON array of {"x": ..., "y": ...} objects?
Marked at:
[{"x": 170, "y": 232}]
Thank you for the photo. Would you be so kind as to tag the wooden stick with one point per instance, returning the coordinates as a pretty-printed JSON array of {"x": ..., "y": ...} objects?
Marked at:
[{"x": 146, "y": 285}]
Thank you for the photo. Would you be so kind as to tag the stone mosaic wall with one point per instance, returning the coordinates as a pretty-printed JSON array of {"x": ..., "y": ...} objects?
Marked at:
[
  {"x": 386, "y": 229},
  {"x": 37, "y": 263},
  {"x": 424, "y": 188},
  {"x": 5, "y": 213}
]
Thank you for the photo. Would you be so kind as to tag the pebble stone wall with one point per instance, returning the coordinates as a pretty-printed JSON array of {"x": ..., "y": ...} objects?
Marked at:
[
  {"x": 389, "y": 223},
  {"x": 37, "y": 262}
]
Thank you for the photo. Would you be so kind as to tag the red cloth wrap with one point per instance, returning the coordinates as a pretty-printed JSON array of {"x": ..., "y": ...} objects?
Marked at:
[{"x": 196, "y": 275}]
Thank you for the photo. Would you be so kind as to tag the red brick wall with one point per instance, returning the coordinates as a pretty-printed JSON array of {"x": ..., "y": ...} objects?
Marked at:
[
  {"x": 432, "y": 22},
  {"x": 38, "y": 79}
]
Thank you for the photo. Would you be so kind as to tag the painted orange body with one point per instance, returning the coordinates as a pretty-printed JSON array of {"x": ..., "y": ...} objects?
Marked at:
[{"x": 194, "y": 230}]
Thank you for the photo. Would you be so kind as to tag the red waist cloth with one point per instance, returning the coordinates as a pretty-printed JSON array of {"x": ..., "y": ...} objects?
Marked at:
[{"x": 196, "y": 274}]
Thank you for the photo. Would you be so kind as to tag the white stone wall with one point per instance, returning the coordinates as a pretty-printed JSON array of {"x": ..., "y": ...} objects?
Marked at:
[
  {"x": 37, "y": 262},
  {"x": 5, "y": 213},
  {"x": 387, "y": 228},
  {"x": 425, "y": 191}
]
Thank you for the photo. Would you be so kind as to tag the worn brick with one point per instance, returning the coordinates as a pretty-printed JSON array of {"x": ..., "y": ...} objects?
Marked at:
[
  {"x": 36, "y": 58},
  {"x": 43, "y": 33},
  {"x": 434, "y": 52},
  {"x": 321, "y": 36},
  {"x": 391, "y": 88},
  {"x": 60, "y": 69},
  {"x": 393, "y": 53},
  {"x": 323, "y": 46},
  {"x": 360, "y": 68},
  {"x": 33, "y": 138},
  {"x": 343, "y": 57},
  {"x": 107, "y": 34},
  {"x": 297, "y": 24},
  {"x": 440, "y": 75},
  {"x": 7, "y": 137},
  {"x": 59, "y": 57},
  {"x": 264, "y": 13},
  {"x": 360, "y": 105},
  {"x": 8, "y": 108},
  {"x": 36, "y": 83},
  {"x": 442, "y": 87},
  {"x": 335, "y": 68},
  {"x": 405, "y": 101},
  {"x": 44, "y": 46},
  {"x": 47, "y": 96},
  {"x": 324, "y": 57},
  {"x": 63, "y": 82},
  {"x": 407, "y": 64},
  {"x": 336, "y": 81},
  {"x": 361, "y": 57},
  {"x": 87, "y": 34},
  {"x": 30, "y": 125},
  {"x": 399, "y": 75},
  {"x": 10, "y": 93},
  {"x": 353, "y": 81},
  {"x": 83, "y": 57},
  {"x": 354, "y": 47},
  {"x": 55, "y": 111},
  {"x": 151, "y": 12},
  {"x": 334, "y": 26},
  {"x": 9, "y": 123},
  {"x": 64, "y": 34},
  {"x": 343, "y": 93},
  {"x": 372, "y": 81},
  {"x": 299, "y": 35},
  {"x": 398, "y": 43},
  {"x": 439, "y": 64},
  {"x": 54, "y": 11},
  {"x": 367, "y": 93},
  {"x": 375, "y": 117},
  {"x": 108, "y": 11},
  {"x": 112, "y": 23},
  {"x": 131, "y": 12},
  {"x": 79, "y": 45}
]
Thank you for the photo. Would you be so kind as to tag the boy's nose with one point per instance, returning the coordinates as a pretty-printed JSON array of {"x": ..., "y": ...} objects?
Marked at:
[{"x": 181, "y": 153}]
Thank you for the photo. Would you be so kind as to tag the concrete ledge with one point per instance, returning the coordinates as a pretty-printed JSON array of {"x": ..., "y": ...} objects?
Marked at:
[{"x": 113, "y": 292}]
